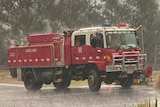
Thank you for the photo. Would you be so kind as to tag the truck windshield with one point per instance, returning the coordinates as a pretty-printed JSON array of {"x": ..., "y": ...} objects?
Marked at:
[{"x": 117, "y": 39}]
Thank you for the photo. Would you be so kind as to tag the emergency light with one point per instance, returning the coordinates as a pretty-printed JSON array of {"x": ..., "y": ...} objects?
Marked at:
[
  {"x": 122, "y": 25},
  {"x": 106, "y": 25}
]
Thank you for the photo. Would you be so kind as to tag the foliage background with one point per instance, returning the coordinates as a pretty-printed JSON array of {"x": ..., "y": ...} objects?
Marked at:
[{"x": 18, "y": 18}]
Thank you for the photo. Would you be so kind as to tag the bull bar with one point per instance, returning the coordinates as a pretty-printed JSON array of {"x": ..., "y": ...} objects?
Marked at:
[{"x": 127, "y": 62}]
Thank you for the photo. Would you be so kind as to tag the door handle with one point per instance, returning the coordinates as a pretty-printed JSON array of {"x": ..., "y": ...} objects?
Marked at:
[{"x": 99, "y": 51}]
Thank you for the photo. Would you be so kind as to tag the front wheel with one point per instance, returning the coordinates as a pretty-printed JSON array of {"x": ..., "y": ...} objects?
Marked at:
[
  {"x": 127, "y": 82},
  {"x": 94, "y": 81},
  {"x": 30, "y": 81}
]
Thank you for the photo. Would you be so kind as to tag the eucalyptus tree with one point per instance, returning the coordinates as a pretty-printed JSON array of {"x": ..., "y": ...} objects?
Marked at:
[
  {"x": 17, "y": 19},
  {"x": 20, "y": 16},
  {"x": 64, "y": 14}
]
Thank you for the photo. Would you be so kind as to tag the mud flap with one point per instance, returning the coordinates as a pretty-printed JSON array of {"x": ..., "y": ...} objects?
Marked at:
[{"x": 19, "y": 74}]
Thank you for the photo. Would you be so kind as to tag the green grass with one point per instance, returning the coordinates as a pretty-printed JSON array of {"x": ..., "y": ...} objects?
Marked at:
[{"x": 147, "y": 103}]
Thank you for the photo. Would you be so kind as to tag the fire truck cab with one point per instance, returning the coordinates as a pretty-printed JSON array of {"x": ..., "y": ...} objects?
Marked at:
[{"x": 98, "y": 54}]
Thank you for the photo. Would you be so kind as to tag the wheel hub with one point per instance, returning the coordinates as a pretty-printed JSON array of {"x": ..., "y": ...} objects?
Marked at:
[{"x": 91, "y": 80}]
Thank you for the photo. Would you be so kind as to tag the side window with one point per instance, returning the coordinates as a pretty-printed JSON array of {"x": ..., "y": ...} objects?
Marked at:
[
  {"x": 96, "y": 40},
  {"x": 80, "y": 40}
]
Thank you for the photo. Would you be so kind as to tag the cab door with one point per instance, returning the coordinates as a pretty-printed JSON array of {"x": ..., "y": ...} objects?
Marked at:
[
  {"x": 79, "y": 49},
  {"x": 98, "y": 53},
  {"x": 97, "y": 44}
]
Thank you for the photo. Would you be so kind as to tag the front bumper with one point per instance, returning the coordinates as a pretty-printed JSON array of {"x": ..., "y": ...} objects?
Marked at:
[{"x": 128, "y": 62}]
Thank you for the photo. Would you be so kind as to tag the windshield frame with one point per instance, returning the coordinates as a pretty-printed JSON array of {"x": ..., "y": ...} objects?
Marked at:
[{"x": 124, "y": 40}]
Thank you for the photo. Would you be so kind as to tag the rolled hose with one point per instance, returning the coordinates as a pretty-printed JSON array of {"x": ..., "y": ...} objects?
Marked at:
[{"x": 148, "y": 71}]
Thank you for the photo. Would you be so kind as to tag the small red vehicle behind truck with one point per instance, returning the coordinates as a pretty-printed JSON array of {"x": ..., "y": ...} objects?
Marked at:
[{"x": 98, "y": 54}]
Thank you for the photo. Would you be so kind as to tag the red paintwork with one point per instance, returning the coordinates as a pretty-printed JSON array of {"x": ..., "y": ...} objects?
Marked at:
[
  {"x": 43, "y": 50},
  {"x": 40, "y": 55},
  {"x": 88, "y": 54},
  {"x": 148, "y": 71},
  {"x": 47, "y": 49},
  {"x": 67, "y": 50},
  {"x": 42, "y": 38}
]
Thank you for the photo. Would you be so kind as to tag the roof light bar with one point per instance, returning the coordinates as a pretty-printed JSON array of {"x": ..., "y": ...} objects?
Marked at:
[
  {"x": 123, "y": 25},
  {"x": 106, "y": 25}
]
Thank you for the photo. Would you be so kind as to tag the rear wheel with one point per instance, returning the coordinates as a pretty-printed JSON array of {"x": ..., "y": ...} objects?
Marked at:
[
  {"x": 127, "y": 82},
  {"x": 30, "y": 81},
  {"x": 62, "y": 85},
  {"x": 65, "y": 82},
  {"x": 94, "y": 81},
  {"x": 13, "y": 72}
]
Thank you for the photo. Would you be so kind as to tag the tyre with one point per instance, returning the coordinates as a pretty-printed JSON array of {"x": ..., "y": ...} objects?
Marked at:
[
  {"x": 65, "y": 83},
  {"x": 127, "y": 82},
  {"x": 30, "y": 81},
  {"x": 62, "y": 85},
  {"x": 94, "y": 81},
  {"x": 13, "y": 72}
]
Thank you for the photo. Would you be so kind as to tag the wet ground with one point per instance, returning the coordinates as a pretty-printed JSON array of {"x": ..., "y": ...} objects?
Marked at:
[{"x": 108, "y": 96}]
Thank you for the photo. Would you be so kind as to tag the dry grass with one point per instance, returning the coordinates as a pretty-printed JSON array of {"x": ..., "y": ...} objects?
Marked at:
[
  {"x": 156, "y": 79},
  {"x": 79, "y": 83},
  {"x": 5, "y": 77}
]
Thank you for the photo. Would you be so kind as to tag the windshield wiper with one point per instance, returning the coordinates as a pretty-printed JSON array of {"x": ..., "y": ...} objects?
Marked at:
[
  {"x": 126, "y": 47},
  {"x": 131, "y": 47}
]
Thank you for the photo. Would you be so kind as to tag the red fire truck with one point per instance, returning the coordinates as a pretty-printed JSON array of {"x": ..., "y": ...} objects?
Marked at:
[{"x": 98, "y": 54}]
